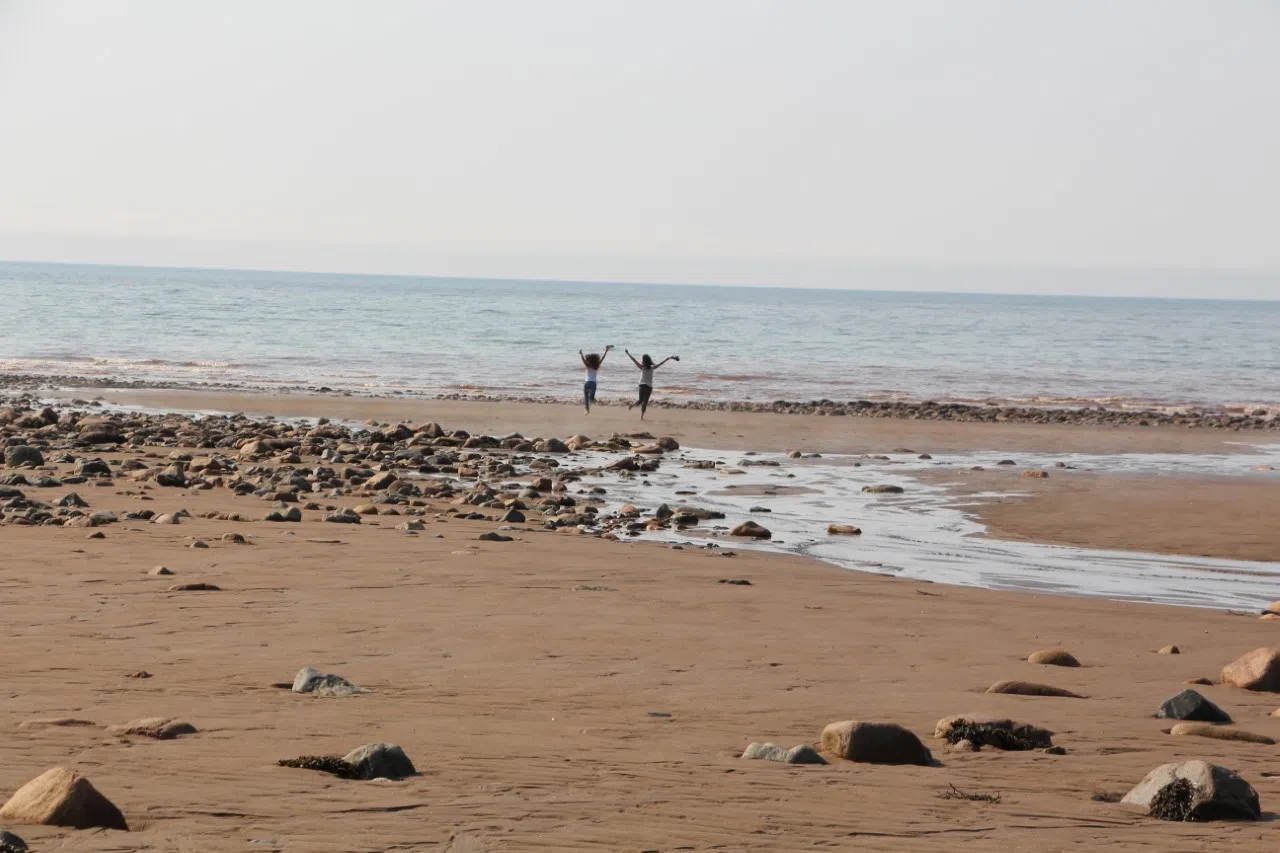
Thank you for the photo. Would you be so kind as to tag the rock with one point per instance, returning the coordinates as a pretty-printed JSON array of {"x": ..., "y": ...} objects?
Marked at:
[
  {"x": 273, "y": 516},
  {"x": 801, "y": 754},
  {"x": 412, "y": 524},
  {"x": 380, "y": 761},
  {"x": 22, "y": 454},
  {"x": 174, "y": 476},
  {"x": 843, "y": 530},
  {"x": 199, "y": 543},
  {"x": 551, "y": 445},
  {"x": 1215, "y": 792},
  {"x": 513, "y": 516},
  {"x": 344, "y": 516},
  {"x": 160, "y": 728},
  {"x": 751, "y": 530},
  {"x": 1258, "y": 670},
  {"x": 311, "y": 680},
  {"x": 875, "y": 743},
  {"x": 81, "y": 521},
  {"x": 194, "y": 587},
  {"x": 1190, "y": 705},
  {"x": 71, "y": 499},
  {"x": 380, "y": 482},
  {"x": 167, "y": 518},
  {"x": 494, "y": 537},
  {"x": 366, "y": 509},
  {"x": 97, "y": 534},
  {"x": 1201, "y": 682},
  {"x": 160, "y": 570},
  {"x": 1026, "y": 735},
  {"x": 10, "y": 843},
  {"x": 1169, "y": 650},
  {"x": 1055, "y": 750},
  {"x": 1218, "y": 733},
  {"x": 62, "y": 797},
  {"x": 1053, "y": 657},
  {"x": 577, "y": 442},
  {"x": 1036, "y": 474},
  {"x": 735, "y": 581},
  {"x": 668, "y": 443},
  {"x": 1027, "y": 688},
  {"x": 883, "y": 490}
]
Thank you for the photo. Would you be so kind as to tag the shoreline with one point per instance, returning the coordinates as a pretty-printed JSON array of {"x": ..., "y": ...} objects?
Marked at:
[{"x": 1260, "y": 418}]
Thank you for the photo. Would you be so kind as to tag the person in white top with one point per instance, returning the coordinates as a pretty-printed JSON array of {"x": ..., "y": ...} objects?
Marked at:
[
  {"x": 647, "y": 367},
  {"x": 592, "y": 362}
]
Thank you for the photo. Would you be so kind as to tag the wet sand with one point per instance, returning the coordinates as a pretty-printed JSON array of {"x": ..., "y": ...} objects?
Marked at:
[{"x": 528, "y": 704}]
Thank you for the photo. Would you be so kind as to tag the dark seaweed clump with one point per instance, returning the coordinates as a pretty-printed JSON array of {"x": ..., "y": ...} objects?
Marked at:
[
  {"x": 325, "y": 763},
  {"x": 984, "y": 734},
  {"x": 1173, "y": 801}
]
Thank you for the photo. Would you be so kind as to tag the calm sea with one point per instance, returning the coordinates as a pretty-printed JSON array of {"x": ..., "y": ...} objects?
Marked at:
[{"x": 434, "y": 335}]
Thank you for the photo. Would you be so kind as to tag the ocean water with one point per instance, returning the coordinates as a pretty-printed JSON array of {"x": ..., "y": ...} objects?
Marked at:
[{"x": 515, "y": 338}]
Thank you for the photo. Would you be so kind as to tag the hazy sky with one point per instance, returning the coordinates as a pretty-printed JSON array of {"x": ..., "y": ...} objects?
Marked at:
[{"x": 787, "y": 142}]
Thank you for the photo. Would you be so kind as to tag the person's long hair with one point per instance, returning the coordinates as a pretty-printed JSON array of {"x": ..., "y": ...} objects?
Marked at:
[
  {"x": 646, "y": 361},
  {"x": 593, "y": 360}
]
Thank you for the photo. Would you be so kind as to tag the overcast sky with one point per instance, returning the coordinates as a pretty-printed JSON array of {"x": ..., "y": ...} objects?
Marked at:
[{"x": 726, "y": 141}]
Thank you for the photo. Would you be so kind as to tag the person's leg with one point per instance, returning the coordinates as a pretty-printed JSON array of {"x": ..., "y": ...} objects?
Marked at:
[
  {"x": 645, "y": 392},
  {"x": 588, "y": 395}
]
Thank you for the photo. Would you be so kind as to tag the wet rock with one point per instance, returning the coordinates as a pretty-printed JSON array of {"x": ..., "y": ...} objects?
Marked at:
[
  {"x": 668, "y": 443},
  {"x": 311, "y": 680},
  {"x": 1190, "y": 705},
  {"x": 1036, "y": 474},
  {"x": 801, "y": 754},
  {"x": 883, "y": 490},
  {"x": 1212, "y": 792},
  {"x": 751, "y": 530},
  {"x": 493, "y": 537},
  {"x": 62, "y": 797},
  {"x": 875, "y": 743},
  {"x": 380, "y": 761},
  {"x": 160, "y": 728},
  {"x": 10, "y": 843},
  {"x": 1027, "y": 688},
  {"x": 1053, "y": 657},
  {"x": 551, "y": 445},
  {"x": 843, "y": 530},
  {"x": 1258, "y": 670},
  {"x": 1218, "y": 733}
]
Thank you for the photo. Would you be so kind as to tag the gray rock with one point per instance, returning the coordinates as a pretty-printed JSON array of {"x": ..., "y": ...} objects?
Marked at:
[
  {"x": 412, "y": 524},
  {"x": 493, "y": 537},
  {"x": 93, "y": 468},
  {"x": 1216, "y": 792},
  {"x": 72, "y": 499},
  {"x": 513, "y": 516},
  {"x": 801, "y": 754},
  {"x": 1190, "y": 705},
  {"x": 883, "y": 490},
  {"x": 345, "y": 516},
  {"x": 380, "y": 761},
  {"x": 22, "y": 454},
  {"x": 311, "y": 680},
  {"x": 875, "y": 743}
]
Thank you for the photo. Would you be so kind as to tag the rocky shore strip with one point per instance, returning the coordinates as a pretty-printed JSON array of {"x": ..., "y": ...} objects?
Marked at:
[{"x": 1257, "y": 419}]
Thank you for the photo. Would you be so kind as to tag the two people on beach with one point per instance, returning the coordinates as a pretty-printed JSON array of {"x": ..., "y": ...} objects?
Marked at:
[{"x": 645, "y": 365}]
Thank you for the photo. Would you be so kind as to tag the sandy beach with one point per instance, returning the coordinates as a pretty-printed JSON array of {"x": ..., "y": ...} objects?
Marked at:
[{"x": 562, "y": 691}]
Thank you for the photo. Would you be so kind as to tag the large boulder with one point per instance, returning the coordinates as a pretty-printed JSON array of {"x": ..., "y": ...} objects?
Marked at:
[
  {"x": 1258, "y": 670},
  {"x": 1208, "y": 792},
  {"x": 62, "y": 797},
  {"x": 100, "y": 431},
  {"x": 1190, "y": 705},
  {"x": 875, "y": 743},
  {"x": 22, "y": 454},
  {"x": 380, "y": 761}
]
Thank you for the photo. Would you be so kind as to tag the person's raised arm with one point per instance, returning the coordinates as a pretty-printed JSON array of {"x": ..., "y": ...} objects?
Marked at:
[
  {"x": 665, "y": 360},
  {"x": 633, "y": 359},
  {"x": 605, "y": 354},
  {"x": 584, "y": 359}
]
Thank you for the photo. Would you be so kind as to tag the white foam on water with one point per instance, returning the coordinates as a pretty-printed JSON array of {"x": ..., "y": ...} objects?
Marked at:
[{"x": 924, "y": 533}]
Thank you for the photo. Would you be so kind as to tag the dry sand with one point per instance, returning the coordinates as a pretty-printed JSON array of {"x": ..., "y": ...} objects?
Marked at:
[{"x": 527, "y": 703}]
